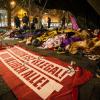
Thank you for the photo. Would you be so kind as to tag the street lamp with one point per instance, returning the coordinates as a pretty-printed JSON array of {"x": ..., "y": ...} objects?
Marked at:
[{"x": 12, "y": 3}]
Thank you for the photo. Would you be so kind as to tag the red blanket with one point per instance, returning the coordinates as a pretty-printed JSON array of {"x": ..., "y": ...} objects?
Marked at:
[{"x": 31, "y": 76}]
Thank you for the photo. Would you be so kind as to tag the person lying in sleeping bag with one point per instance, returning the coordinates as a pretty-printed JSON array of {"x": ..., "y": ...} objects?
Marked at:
[
  {"x": 44, "y": 37},
  {"x": 53, "y": 42},
  {"x": 69, "y": 39}
]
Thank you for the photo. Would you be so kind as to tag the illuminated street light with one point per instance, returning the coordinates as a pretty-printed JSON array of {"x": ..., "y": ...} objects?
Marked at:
[{"x": 12, "y": 3}]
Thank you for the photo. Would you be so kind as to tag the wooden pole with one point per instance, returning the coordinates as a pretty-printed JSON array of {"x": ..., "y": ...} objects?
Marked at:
[
  {"x": 9, "y": 14},
  {"x": 29, "y": 10}
]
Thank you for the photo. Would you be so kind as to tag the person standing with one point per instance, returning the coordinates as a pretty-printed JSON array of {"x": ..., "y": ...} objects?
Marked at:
[
  {"x": 35, "y": 21},
  {"x": 17, "y": 22},
  {"x": 63, "y": 21},
  {"x": 49, "y": 22},
  {"x": 25, "y": 19}
]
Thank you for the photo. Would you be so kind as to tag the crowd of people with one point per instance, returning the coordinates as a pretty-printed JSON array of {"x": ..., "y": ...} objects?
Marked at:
[
  {"x": 36, "y": 22},
  {"x": 84, "y": 42},
  {"x": 26, "y": 22}
]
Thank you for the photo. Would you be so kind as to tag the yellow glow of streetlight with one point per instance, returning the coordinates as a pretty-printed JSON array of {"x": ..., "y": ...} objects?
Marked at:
[
  {"x": 21, "y": 12},
  {"x": 12, "y": 3}
]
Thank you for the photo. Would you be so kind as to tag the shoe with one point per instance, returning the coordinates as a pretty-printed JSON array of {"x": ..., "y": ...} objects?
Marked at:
[{"x": 60, "y": 52}]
